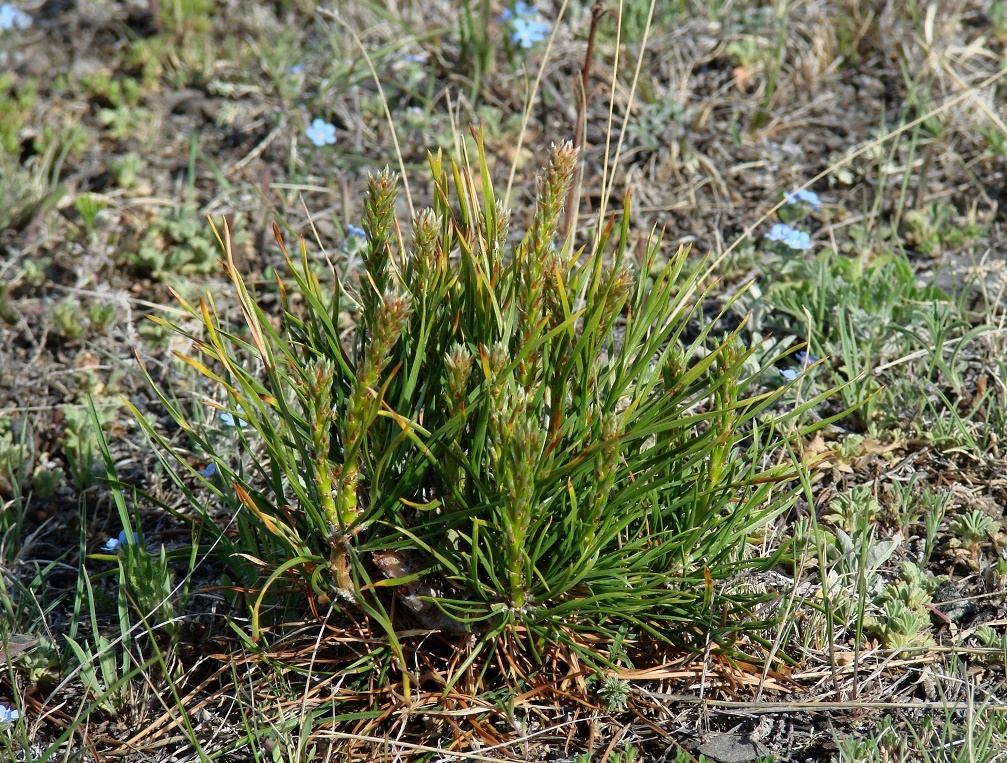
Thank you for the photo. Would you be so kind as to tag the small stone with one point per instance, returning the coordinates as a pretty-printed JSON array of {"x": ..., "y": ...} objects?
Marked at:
[{"x": 732, "y": 748}]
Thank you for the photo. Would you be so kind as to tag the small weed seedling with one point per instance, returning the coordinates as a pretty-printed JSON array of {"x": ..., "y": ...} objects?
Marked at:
[{"x": 80, "y": 440}]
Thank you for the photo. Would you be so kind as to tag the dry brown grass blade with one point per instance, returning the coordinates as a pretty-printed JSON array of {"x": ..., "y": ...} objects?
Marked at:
[{"x": 170, "y": 719}]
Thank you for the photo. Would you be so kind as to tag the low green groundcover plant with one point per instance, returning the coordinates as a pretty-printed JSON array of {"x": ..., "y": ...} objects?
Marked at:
[{"x": 518, "y": 450}]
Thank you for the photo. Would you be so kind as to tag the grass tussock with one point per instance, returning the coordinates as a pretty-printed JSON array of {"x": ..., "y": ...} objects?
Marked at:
[{"x": 517, "y": 450}]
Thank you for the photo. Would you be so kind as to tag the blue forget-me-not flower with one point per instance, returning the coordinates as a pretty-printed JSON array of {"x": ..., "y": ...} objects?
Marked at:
[
  {"x": 210, "y": 471},
  {"x": 527, "y": 32},
  {"x": 114, "y": 544},
  {"x": 227, "y": 418},
  {"x": 792, "y": 239},
  {"x": 13, "y": 18},
  {"x": 353, "y": 230},
  {"x": 8, "y": 714},
  {"x": 321, "y": 133},
  {"x": 805, "y": 196},
  {"x": 805, "y": 358},
  {"x": 527, "y": 29},
  {"x": 521, "y": 8}
]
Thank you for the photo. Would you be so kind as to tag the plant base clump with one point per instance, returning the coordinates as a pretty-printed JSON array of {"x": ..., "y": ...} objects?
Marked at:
[{"x": 517, "y": 448}]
